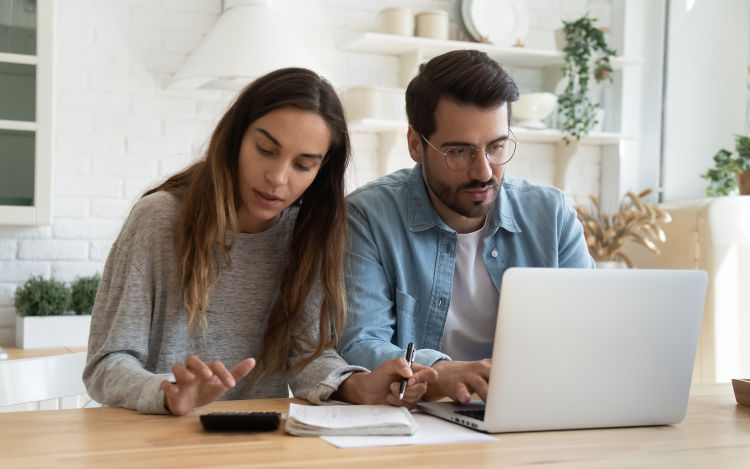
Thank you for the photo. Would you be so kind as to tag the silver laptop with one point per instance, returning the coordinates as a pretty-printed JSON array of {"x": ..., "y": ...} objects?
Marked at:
[{"x": 584, "y": 348}]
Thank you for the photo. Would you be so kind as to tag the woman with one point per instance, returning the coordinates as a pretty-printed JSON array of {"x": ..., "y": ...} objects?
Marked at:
[{"x": 239, "y": 256}]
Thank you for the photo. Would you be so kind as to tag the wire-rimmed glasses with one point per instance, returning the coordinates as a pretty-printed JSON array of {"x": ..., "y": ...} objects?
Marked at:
[{"x": 461, "y": 157}]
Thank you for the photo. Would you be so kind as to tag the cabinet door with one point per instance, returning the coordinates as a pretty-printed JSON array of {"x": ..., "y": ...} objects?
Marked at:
[{"x": 25, "y": 112}]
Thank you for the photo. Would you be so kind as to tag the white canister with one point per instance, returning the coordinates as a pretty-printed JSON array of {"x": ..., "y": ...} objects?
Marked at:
[
  {"x": 396, "y": 20},
  {"x": 432, "y": 24}
]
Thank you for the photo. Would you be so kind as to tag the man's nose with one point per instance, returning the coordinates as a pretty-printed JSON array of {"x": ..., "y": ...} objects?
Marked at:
[{"x": 480, "y": 168}]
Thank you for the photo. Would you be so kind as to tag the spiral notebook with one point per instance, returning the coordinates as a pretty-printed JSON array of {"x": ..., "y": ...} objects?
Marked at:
[{"x": 349, "y": 420}]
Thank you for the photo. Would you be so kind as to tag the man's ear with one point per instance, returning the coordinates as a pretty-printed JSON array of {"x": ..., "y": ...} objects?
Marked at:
[{"x": 415, "y": 145}]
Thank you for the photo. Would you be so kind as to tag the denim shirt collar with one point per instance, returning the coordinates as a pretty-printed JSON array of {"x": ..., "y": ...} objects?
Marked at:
[{"x": 422, "y": 215}]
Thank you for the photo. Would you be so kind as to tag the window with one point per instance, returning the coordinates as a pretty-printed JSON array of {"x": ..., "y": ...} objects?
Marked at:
[{"x": 25, "y": 112}]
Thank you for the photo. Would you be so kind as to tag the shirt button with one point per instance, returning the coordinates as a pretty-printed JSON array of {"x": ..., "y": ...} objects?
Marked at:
[
  {"x": 494, "y": 253},
  {"x": 440, "y": 302}
]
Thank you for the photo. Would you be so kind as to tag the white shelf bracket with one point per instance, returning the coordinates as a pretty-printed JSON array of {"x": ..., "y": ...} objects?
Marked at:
[
  {"x": 389, "y": 156},
  {"x": 563, "y": 155},
  {"x": 409, "y": 65}
]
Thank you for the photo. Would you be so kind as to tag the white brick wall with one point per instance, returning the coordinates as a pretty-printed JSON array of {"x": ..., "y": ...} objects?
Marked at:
[{"x": 119, "y": 131}]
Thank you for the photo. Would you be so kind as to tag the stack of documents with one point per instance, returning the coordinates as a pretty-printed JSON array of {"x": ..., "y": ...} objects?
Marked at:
[{"x": 349, "y": 420}]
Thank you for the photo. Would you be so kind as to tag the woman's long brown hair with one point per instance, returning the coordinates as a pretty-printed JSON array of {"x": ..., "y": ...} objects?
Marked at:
[{"x": 210, "y": 196}]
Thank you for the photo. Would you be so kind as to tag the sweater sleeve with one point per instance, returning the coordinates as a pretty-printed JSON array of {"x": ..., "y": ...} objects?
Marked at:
[
  {"x": 316, "y": 381},
  {"x": 118, "y": 347}
]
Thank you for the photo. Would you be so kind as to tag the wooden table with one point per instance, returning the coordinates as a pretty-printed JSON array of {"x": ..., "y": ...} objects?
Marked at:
[{"x": 716, "y": 433}]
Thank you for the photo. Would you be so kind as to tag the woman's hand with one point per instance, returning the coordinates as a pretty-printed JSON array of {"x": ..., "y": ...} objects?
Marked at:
[
  {"x": 198, "y": 383},
  {"x": 382, "y": 385}
]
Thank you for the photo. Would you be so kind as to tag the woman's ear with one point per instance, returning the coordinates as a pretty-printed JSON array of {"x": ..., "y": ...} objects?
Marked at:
[{"x": 414, "y": 139}]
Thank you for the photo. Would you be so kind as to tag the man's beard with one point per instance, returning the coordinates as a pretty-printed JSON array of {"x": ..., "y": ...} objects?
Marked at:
[{"x": 450, "y": 198}]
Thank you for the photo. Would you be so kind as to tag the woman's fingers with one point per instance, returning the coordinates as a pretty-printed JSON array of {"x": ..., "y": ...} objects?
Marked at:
[
  {"x": 169, "y": 388},
  {"x": 182, "y": 374},
  {"x": 220, "y": 371},
  {"x": 194, "y": 364},
  {"x": 243, "y": 368}
]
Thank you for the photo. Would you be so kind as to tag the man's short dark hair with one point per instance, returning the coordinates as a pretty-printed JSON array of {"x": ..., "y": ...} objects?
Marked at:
[{"x": 466, "y": 76}]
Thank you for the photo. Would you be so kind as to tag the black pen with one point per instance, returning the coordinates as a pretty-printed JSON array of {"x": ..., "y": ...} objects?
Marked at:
[{"x": 410, "y": 360}]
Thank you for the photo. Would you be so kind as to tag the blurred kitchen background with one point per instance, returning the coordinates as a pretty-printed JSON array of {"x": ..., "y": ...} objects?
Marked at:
[{"x": 101, "y": 99}]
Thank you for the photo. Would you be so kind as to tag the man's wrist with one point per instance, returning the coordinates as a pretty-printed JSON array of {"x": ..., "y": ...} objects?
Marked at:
[
  {"x": 439, "y": 363},
  {"x": 350, "y": 390}
]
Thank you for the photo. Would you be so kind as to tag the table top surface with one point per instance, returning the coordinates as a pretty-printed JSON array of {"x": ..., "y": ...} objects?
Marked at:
[
  {"x": 715, "y": 432},
  {"x": 15, "y": 353}
]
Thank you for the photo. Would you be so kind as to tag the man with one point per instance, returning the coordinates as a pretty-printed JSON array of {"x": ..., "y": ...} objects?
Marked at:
[{"x": 429, "y": 245}]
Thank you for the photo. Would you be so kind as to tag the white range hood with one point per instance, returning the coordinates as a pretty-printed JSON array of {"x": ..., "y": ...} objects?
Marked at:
[{"x": 248, "y": 40}]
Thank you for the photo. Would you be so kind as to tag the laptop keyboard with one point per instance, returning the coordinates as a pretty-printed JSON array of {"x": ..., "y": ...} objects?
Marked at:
[{"x": 475, "y": 414}]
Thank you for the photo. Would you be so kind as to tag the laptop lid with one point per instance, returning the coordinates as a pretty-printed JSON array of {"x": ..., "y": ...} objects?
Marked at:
[{"x": 584, "y": 348}]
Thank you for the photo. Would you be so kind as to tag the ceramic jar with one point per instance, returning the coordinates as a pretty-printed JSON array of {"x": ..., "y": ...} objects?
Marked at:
[
  {"x": 432, "y": 24},
  {"x": 396, "y": 20}
]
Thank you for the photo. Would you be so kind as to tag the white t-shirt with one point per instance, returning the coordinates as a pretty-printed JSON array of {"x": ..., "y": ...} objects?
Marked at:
[{"x": 472, "y": 313}]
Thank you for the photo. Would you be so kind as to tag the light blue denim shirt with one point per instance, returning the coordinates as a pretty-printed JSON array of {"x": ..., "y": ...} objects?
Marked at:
[{"x": 401, "y": 256}]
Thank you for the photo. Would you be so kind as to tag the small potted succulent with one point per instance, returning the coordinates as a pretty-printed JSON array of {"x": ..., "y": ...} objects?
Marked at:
[
  {"x": 730, "y": 174},
  {"x": 43, "y": 311}
]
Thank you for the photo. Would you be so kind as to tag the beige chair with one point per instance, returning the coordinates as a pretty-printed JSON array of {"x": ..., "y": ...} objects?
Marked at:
[
  {"x": 43, "y": 383},
  {"x": 713, "y": 235}
]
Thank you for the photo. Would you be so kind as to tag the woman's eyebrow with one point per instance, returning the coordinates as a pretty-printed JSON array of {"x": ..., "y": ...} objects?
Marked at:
[
  {"x": 317, "y": 156},
  {"x": 269, "y": 136}
]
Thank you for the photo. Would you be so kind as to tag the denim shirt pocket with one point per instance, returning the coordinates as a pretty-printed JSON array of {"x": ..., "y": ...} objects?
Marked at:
[{"x": 406, "y": 310}]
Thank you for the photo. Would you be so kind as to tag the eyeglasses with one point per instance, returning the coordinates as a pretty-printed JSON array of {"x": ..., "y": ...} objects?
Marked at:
[{"x": 461, "y": 157}]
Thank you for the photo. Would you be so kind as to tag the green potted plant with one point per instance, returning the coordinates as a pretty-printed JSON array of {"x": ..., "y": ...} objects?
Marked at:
[
  {"x": 43, "y": 316},
  {"x": 730, "y": 174},
  {"x": 83, "y": 293},
  {"x": 583, "y": 42}
]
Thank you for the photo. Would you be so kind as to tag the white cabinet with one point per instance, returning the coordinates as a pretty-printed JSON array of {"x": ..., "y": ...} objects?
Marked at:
[
  {"x": 412, "y": 51},
  {"x": 26, "y": 112}
]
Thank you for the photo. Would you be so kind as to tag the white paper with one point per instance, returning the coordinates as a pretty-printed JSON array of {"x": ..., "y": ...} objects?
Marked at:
[{"x": 431, "y": 431}]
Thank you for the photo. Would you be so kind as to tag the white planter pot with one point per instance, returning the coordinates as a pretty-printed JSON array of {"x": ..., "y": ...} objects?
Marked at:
[{"x": 52, "y": 331}]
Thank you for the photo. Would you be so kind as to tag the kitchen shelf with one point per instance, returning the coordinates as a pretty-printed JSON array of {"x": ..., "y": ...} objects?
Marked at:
[
  {"x": 412, "y": 51},
  {"x": 391, "y": 44},
  {"x": 390, "y": 134},
  {"x": 377, "y": 125},
  {"x": 524, "y": 135},
  {"x": 555, "y": 136}
]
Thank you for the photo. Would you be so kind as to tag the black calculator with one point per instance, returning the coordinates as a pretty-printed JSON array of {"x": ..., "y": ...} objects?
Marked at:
[{"x": 241, "y": 421}]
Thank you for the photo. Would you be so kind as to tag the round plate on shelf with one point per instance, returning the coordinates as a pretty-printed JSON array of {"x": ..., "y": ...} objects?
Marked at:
[
  {"x": 468, "y": 20},
  {"x": 502, "y": 22}
]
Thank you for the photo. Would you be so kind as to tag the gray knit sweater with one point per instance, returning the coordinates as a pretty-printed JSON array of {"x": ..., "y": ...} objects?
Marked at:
[{"x": 139, "y": 329}]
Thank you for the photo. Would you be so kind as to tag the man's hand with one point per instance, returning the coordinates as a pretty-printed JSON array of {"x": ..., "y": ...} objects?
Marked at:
[
  {"x": 382, "y": 385},
  {"x": 458, "y": 380},
  {"x": 198, "y": 383}
]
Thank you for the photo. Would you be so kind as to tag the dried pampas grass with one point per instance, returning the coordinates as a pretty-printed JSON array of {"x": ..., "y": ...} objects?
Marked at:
[{"x": 636, "y": 221}]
